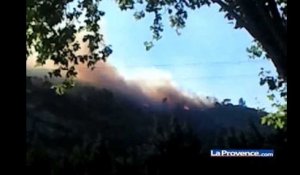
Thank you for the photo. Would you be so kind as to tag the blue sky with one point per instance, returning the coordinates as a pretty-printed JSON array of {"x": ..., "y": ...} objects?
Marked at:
[{"x": 208, "y": 58}]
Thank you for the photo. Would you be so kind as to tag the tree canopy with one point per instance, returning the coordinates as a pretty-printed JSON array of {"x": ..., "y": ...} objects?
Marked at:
[
  {"x": 51, "y": 29},
  {"x": 52, "y": 26}
]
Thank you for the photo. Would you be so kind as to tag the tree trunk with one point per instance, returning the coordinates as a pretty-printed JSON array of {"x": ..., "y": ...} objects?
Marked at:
[{"x": 264, "y": 23}]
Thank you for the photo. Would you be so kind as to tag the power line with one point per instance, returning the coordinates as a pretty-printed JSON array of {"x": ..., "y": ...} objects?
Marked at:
[
  {"x": 189, "y": 64},
  {"x": 218, "y": 76}
]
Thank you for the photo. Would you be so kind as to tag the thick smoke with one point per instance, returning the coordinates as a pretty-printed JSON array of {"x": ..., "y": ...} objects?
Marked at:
[
  {"x": 152, "y": 93},
  {"x": 158, "y": 91}
]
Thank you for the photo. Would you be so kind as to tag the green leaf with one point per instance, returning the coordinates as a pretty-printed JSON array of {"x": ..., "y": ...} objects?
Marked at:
[
  {"x": 263, "y": 120},
  {"x": 139, "y": 15},
  {"x": 148, "y": 45},
  {"x": 59, "y": 89},
  {"x": 271, "y": 97}
]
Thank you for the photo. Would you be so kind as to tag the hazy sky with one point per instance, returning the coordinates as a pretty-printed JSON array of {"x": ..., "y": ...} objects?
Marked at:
[{"x": 208, "y": 58}]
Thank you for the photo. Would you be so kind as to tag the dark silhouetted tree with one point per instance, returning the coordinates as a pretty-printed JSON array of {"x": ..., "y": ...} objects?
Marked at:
[
  {"x": 226, "y": 101},
  {"x": 242, "y": 102}
]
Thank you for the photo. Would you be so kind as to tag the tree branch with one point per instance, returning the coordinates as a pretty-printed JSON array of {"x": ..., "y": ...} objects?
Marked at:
[{"x": 231, "y": 11}]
